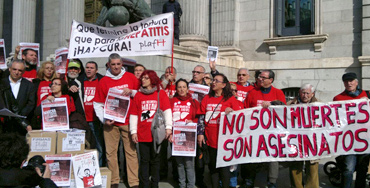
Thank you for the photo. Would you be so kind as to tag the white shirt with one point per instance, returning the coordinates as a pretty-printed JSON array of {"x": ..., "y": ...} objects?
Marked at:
[{"x": 15, "y": 86}]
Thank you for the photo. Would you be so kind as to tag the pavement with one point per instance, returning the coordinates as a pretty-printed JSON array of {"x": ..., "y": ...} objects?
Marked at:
[{"x": 283, "y": 181}]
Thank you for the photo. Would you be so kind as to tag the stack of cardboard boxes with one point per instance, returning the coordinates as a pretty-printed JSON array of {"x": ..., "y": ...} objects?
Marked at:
[{"x": 62, "y": 142}]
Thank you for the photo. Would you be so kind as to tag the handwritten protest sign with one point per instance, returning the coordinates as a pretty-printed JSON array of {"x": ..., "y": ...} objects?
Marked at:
[
  {"x": 61, "y": 60},
  {"x": 2, "y": 55},
  {"x": 298, "y": 132},
  {"x": 151, "y": 36},
  {"x": 86, "y": 170},
  {"x": 55, "y": 114}
]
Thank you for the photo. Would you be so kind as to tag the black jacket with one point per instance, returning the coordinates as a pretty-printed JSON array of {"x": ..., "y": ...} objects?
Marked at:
[
  {"x": 17, "y": 177},
  {"x": 175, "y": 8},
  {"x": 79, "y": 82}
]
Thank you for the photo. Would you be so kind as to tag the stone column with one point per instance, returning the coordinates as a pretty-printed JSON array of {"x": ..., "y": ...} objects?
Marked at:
[
  {"x": 1, "y": 17},
  {"x": 225, "y": 28},
  {"x": 24, "y": 19},
  {"x": 365, "y": 58},
  {"x": 194, "y": 23},
  {"x": 69, "y": 10}
]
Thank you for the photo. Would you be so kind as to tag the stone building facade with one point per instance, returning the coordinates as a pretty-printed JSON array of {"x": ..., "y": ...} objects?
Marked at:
[{"x": 249, "y": 33}]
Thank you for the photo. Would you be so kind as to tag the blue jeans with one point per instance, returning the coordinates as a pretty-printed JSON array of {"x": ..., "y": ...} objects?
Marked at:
[
  {"x": 97, "y": 129},
  {"x": 349, "y": 164},
  {"x": 185, "y": 167}
]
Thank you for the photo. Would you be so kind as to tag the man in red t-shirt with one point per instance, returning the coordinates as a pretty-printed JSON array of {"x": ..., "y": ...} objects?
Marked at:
[
  {"x": 117, "y": 77},
  {"x": 87, "y": 178},
  {"x": 262, "y": 95},
  {"x": 359, "y": 162}
]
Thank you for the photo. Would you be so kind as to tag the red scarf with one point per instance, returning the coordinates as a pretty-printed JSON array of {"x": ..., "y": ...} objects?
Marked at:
[{"x": 187, "y": 97}]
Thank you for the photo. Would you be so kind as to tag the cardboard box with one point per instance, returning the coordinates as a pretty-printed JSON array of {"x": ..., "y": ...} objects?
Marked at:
[
  {"x": 41, "y": 143},
  {"x": 71, "y": 141},
  {"x": 106, "y": 176}
]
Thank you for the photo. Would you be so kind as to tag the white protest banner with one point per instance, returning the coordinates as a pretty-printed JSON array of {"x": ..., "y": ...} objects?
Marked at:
[
  {"x": 34, "y": 46},
  {"x": 297, "y": 132},
  {"x": 212, "y": 53},
  {"x": 2, "y": 55},
  {"x": 185, "y": 139},
  {"x": 151, "y": 36},
  {"x": 60, "y": 167},
  {"x": 55, "y": 115},
  {"x": 61, "y": 60},
  {"x": 116, "y": 105},
  {"x": 198, "y": 91}
]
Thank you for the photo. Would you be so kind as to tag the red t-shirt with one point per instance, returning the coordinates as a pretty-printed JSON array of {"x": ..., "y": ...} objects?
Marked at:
[
  {"x": 88, "y": 181},
  {"x": 212, "y": 124},
  {"x": 128, "y": 80},
  {"x": 170, "y": 89},
  {"x": 242, "y": 91},
  {"x": 344, "y": 96},
  {"x": 89, "y": 94},
  {"x": 43, "y": 90},
  {"x": 70, "y": 104},
  {"x": 256, "y": 97},
  {"x": 183, "y": 110},
  {"x": 30, "y": 75},
  {"x": 145, "y": 106}
]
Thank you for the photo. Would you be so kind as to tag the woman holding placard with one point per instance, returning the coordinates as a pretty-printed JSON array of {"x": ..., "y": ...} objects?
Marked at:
[
  {"x": 184, "y": 109},
  {"x": 220, "y": 99},
  {"x": 143, "y": 110}
]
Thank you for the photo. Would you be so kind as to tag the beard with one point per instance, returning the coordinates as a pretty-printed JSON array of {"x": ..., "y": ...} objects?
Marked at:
[
  {"x": 72, "y": 75},
  {"x": 32, "y": 63}
]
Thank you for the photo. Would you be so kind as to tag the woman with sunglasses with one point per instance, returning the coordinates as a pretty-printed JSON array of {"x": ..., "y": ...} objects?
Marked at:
[
  {"x": 220, "y": 99},
  {"x": 143, "y": 109},
  {"x": 184, "y": 109}
]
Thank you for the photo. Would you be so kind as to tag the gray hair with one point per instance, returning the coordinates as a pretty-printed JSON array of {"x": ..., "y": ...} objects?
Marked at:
[
  {"x": 243, "y": 69},
  {"x": 174, "y": 69},
  {"x": 201, "y": 67},
  {"x": 308, "y": 86},
  {"x": 17, "y": 61},
  {"x": 210, "y": 75},
  {"x": 114, "y": 56}
]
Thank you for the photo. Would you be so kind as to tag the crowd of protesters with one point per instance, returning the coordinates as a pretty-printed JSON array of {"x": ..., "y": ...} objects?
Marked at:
[{"x": 86, "y": 91}]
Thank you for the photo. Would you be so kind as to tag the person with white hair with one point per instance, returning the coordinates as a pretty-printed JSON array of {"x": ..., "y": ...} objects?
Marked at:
[{"x": 306, "y": 95}]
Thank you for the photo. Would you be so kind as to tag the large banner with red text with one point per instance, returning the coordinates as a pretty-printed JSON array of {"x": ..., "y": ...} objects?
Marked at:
[
  {"x": 292, "y": 133},
  {"x": 151, "y": 36}
]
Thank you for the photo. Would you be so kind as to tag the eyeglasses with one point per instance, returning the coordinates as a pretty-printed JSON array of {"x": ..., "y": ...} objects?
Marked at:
[
  {"x": 145, "y": 78},
  {"x": 242, "y": 75},
  {"x": 197, "y": 72},
  {"x": 208, "y": 78},
  {"x": 217, "y": 81},
  {"x": 263, "y": 78}
]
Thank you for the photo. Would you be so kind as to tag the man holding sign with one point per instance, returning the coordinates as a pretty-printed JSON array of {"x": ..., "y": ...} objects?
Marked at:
[
  {"x": 117, "y": 77},
  {"x": 350, "y": 163}
]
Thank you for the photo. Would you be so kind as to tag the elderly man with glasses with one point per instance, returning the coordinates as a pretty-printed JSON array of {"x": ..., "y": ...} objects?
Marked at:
[{"x": 242, "y": 85}]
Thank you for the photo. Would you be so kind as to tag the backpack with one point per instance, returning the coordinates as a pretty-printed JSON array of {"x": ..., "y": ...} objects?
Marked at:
[{"x": 158, "y": 128}]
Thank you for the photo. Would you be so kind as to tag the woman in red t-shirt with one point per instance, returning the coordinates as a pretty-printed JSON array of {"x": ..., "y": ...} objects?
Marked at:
[
  {"x": 184, "y": 109},
  {"x": 220, "y": 99},
  {"x": 143, "y": 110}
]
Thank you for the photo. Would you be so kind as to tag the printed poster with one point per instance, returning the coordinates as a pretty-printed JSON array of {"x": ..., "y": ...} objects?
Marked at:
[
  {"x": 212, "y": 53},
  {"x": 198, "y": 91},
  {"x": 60, "y": 167},
  {"x": 61, "y": 60},
  {"x": 3, "y": 64},
  {"x": 86, "y": 170},
  {"x": 116, "y": 105},
  {"x": 55, "y": 115},
  {"x": 34, "y": 46},
  {"x": 184, "y": 139}
]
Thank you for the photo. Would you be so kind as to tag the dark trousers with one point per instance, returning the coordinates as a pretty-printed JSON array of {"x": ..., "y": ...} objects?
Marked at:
[
  {"x": 149, "y": 166},
  {"x": 218, "y": 174}
]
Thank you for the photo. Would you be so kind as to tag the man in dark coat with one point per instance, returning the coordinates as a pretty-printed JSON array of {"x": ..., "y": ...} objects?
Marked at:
[{"x": 174, "y": 6}]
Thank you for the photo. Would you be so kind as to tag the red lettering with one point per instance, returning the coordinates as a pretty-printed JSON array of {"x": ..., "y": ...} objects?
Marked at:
[
  {"x": 314, "y": 116},
  {"x": 263, "y": 125},
  {"x": 239, "y": 128},
  {"x": 228, "y": 125},
  {"x": 336, "y": 134},
  {"x": 308, "y": 146},
  {"x": 324, "y": 145},
  {"x": 358, "y": 139},
  {"x": 262, "y": 146},
  {"x": 273, "y": 146},
  {"x": 346, "y": 149},
  {"x": 307, "y": 124},
  {"x": 238, "y": 154},
  {"x": 362, "y": 111},
  {"x": 281, "y": 145},
  {"x": 228, "y": 149},
  {"x": 300, "y": 144},
  {"x": 276, "y": 117},
  {"x": 350, "y": 113},
  {"x": 295, "y": 115},
  {"x": 166, "y": 32},
  {"x": 325, "y": 115},
  {"x": 336, "y": 106},
  {"x": 255, "y": 126},
  {"x": 248, "y": 147},
  {"x": 144, "y": 33},
  {"x": 292, "y": 146}
]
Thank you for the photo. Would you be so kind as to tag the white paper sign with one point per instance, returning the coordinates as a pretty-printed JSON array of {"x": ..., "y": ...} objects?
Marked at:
[
  {"x": 2, "y": 55},
  {"x": 185, "y": 139},
  {"x": 55, "y": 114},
  {"x": 40, "y": 144},
  {"x": 212, "y": 53},
  {"x": 116, "y": 106},
  {"x": 198, "y": 91},
  {"x": 27, "y": 45}
]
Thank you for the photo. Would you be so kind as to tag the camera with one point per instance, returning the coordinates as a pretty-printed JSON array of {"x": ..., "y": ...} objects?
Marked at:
[{"x": 37, "y": 161}]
